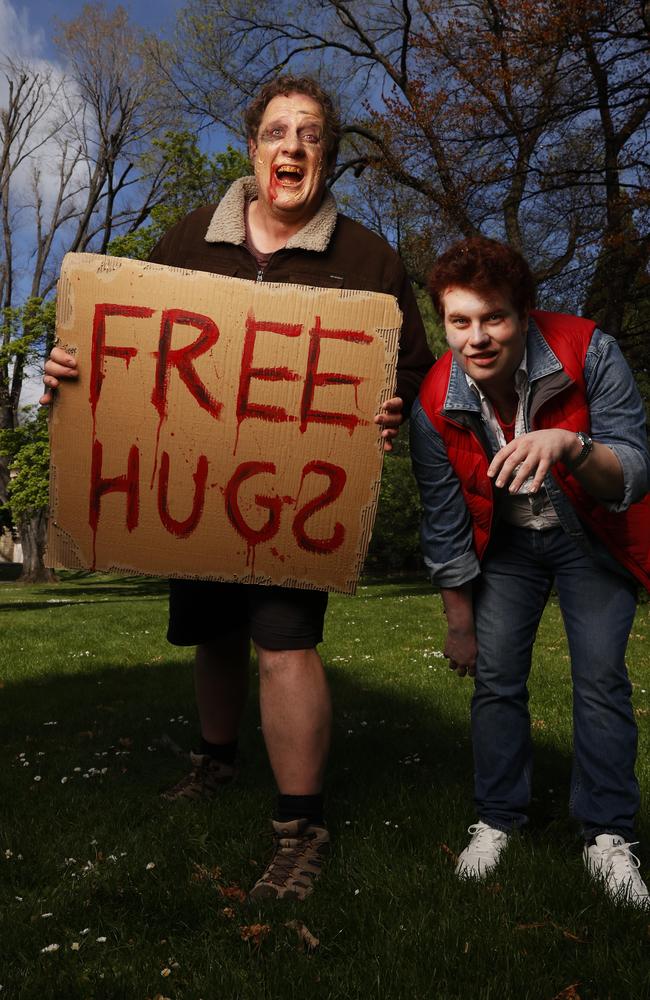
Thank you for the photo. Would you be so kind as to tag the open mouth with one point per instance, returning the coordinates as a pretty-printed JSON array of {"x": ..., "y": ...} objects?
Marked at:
[{"x": 288, "y": 175}]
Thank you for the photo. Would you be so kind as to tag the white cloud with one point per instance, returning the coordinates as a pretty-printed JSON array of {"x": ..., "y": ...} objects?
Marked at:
[
  {"x": 24, "y": 46},
  {"x": 21, "y": 45},
  {"x": 32, "y": 389},
  {"x": 19, "y": 39}
]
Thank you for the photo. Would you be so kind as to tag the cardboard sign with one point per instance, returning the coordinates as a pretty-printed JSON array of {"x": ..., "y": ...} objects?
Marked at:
[{"x": 219, "y": 428}]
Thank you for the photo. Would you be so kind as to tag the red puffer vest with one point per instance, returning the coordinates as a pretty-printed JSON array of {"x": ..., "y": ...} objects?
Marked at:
[{"x": 625, "y": 534}]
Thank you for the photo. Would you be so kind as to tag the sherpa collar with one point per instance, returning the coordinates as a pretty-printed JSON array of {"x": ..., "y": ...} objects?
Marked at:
[{"x": 227, "y": 224}]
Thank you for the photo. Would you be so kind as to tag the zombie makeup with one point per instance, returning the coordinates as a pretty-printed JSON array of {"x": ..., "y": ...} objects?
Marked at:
[{"x": 289, "y": 157}]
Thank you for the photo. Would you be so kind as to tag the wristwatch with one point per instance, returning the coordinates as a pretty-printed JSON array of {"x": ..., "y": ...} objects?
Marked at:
[{"x": 587, "y": 447}]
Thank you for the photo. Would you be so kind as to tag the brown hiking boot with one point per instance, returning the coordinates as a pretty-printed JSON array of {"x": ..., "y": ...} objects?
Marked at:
[
  {"x": 204, "y": 781},
  {"x": 298, "y": 856}
]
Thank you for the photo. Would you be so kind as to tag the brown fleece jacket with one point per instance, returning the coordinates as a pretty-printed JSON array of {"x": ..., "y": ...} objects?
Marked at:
[{"x": 331, "y": 251}]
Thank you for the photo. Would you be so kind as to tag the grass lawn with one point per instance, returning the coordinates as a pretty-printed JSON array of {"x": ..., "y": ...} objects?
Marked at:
[{"x": 108, "y": 892}]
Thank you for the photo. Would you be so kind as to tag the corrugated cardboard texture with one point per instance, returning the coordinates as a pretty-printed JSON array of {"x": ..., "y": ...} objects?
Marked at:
[{"x": 220, "y": 428}]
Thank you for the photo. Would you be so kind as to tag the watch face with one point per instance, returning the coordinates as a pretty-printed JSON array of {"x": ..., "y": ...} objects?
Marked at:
[{"x": 587, "y": 445}]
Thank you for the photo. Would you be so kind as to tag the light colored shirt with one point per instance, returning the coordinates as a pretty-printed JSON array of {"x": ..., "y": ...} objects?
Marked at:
[{"x": 525, "y": 509}]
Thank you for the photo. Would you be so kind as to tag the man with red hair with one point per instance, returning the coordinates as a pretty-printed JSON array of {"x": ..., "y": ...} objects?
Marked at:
[{"x": 530, "y": 451}]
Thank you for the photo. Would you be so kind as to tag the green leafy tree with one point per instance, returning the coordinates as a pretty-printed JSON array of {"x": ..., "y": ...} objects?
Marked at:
[
  {"x": 395, "y": 544},
  {"x": 25, "y": 332},
  {"x": 192, "y": 178},
  {"x": 28, "y": 450}
]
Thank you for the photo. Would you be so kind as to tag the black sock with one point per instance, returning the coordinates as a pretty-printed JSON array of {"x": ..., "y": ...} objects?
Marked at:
[
  {"x": 225, "y": 753},
  {"x": 309, "y": 807}
]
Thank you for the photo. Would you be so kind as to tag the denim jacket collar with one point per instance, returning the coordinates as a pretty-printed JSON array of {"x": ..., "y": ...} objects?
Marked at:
[{"x": 541, "y": 361}]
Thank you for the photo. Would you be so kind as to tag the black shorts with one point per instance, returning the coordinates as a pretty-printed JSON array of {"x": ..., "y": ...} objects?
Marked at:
[{"x": 275, "y": 617}]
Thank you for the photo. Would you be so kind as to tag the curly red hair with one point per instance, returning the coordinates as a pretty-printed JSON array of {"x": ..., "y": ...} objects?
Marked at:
[{"x": 483, "y": 265}]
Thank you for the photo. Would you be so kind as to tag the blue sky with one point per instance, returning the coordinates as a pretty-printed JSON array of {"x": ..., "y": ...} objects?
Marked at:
[
  {"x": 27, "y": 28},
  {"x": 30, "y": 21}
]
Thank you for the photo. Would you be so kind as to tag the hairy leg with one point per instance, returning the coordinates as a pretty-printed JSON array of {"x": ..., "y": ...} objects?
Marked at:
[{"x": 296, "y": 718}]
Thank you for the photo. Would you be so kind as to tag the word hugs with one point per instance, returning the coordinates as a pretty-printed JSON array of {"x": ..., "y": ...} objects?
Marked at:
[{"x": 219, "y": 428}]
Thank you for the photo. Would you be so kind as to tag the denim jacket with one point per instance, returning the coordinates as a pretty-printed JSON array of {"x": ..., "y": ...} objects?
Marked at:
[{"x": 617, "y": 420}]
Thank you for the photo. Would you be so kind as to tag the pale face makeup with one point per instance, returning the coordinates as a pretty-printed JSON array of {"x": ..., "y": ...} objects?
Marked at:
[
  {"x": 486, "y": 335},
  {"x": 289, "y": 158}
]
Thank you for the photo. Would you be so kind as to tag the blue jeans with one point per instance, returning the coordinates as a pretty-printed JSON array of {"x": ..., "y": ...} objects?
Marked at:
[{"x": 598, "y": 608}]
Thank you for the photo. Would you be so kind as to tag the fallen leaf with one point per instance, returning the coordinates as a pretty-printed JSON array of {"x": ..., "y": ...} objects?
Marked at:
[
  {"x": 202, "y": 873},
  {"x": 254, "y": 933},
  {"x": 228, "y": 912},
  {"x": 304, "y": 934},
  {"x": 568, "y": 993},
  {"x": 453, "y": 857},
  {"x": 233, "y": 892},
  {"x": 573, "y": 937}
]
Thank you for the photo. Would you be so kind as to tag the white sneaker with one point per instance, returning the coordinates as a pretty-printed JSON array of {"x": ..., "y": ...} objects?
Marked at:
[
  {"x": 611, "y": 861},
  {"x": 483, "y": 851}
]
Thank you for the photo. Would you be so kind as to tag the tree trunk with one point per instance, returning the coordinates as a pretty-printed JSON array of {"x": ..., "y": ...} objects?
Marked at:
[{"x": 33, "y": 532}]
